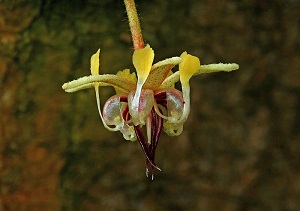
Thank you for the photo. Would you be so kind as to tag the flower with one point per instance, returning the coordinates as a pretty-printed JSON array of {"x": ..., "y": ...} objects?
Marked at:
[{"x": 148, "y": 99}]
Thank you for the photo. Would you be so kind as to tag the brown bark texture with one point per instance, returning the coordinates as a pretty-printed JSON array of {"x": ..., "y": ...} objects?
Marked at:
[{"x": 240, "y": 146}]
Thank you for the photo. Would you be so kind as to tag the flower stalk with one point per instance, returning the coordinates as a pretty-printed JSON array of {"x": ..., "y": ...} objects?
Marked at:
[{"x": 134, "y": 25}]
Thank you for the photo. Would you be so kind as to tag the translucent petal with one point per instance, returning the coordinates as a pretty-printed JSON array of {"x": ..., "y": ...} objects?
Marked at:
[
  {"x": 112, "y": 112},
  {"x": 145, "y": 104},
  {"x": 175, "y": 103}
]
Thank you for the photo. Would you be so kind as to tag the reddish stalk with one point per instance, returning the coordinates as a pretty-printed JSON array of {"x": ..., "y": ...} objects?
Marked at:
[{"x": 134, "y": 25}]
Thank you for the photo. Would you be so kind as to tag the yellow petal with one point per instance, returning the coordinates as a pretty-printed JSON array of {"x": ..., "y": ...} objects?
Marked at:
[
  {"x": 95, "y": 62},
  {"x": 126, "y": 74},
  {"x": 189, "y": 65},
  {"x": 142, "y": 60}
]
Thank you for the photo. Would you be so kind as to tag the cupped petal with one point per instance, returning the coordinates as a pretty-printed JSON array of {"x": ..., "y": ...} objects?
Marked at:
[
  {"x": 173, "y": 103},
  {"x": 145, "y": 105},
  {"x": 159, "y": 72},
  {"x": 112, "y": 112}
]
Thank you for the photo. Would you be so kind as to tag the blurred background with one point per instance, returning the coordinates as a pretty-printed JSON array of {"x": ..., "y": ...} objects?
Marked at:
[{"x": 240, "y": 146}]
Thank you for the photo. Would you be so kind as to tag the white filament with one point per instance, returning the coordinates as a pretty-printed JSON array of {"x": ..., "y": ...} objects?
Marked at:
[{"x": 99, "y": 110}]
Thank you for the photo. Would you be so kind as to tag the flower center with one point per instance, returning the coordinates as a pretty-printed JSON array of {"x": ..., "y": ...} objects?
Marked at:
[{"x": 155, "y": 110}]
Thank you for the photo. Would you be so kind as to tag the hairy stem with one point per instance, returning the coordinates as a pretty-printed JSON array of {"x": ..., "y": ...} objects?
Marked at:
[{"x": 134, "y": 24}]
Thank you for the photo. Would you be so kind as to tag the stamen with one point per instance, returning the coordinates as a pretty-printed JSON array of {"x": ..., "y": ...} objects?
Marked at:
[
  {"x": 159, "y": 125},
  {"x": 186, "y": 100},
  {"x": 135, "y": 105},
  {"x": 148, "y": 128},
  {"x": 155, "y": 133},
  {"x": 157, "y": 110},
  {"x": 146, "y": 167}
]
